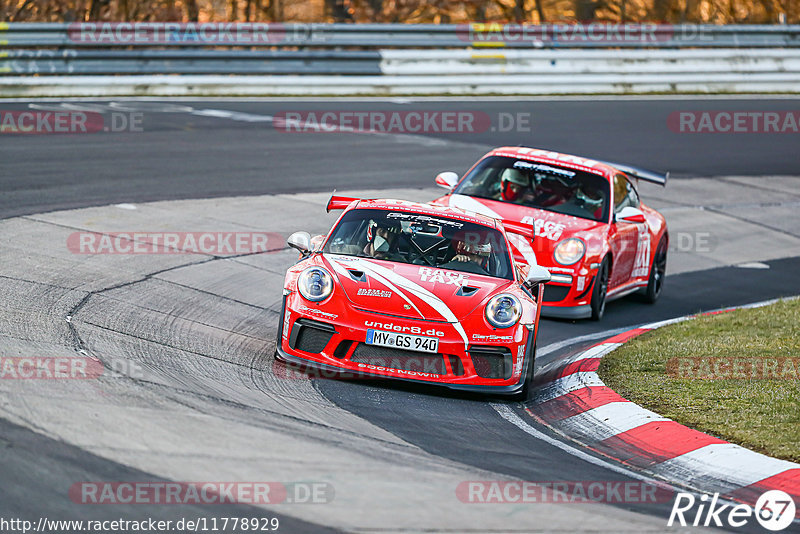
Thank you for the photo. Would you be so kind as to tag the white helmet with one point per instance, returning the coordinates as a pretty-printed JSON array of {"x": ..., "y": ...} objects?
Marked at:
[{"x": 513, "y": 177}]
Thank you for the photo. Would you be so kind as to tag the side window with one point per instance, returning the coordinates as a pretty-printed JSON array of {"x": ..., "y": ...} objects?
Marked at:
[
  {"x": 624, "y": 194},
  {"x": 620, "y": 192},
  {"x": 634, "y": 196},
  {"x": 481, "y": 182}
]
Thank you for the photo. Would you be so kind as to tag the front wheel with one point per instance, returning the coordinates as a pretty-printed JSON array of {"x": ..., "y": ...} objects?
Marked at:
[
  {"x": 600, "y": 291},
  {"x": 658, "y": 273},
  {"x": 523, "y": 393},
  {"x": 279, "y": 336}
]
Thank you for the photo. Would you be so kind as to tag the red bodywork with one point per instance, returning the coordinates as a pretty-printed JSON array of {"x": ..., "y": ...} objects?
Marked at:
[
  {"x": 630, "y": 247},
  {"x": 392, "y": 296}
]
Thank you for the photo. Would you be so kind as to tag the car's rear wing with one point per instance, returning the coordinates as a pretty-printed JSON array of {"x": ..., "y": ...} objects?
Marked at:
[
  {"x": 339, "y": 203},
  {"x": 640, "y": 174}
]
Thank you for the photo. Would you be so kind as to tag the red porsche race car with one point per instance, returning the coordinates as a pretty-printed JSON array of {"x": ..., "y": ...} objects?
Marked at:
[
  {"x": 413, "y": 292},
  {"x": 592, "y": 231}
]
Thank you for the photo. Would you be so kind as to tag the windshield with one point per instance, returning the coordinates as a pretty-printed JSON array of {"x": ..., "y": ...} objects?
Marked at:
[
  {"x": 537, "y": 185},
  {"x": 421, "y": 240}
]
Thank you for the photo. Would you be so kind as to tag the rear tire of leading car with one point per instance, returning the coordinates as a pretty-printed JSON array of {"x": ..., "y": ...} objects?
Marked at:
[
  {"x": 600, "y": 290},
  {"x": 658, "y": 273}
]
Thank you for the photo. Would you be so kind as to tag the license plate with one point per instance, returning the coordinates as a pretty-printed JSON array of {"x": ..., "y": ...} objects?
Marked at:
[{"x": 402, "y": 341}]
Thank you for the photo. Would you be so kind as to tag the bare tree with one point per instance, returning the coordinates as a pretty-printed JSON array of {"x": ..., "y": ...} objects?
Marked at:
[
  {"x": 192, "y": 10},
  {"x": 436, "y": 11},
  {"x": 586, "y": 9}
]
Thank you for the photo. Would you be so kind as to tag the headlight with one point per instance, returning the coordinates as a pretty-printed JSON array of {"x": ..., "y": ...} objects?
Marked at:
[
  {"x": 315, "y": 284},
  {"x": 569, "y": 251},
  {"x": 503, "y": 311}
]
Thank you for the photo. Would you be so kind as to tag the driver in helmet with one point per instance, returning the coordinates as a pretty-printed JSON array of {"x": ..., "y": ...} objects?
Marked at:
[
  {"x": 591, "y": 199},
  {"x": 471, "y": 256},
  {"x": 380, "y": 238},
  {"x": 514, "y": 185}
]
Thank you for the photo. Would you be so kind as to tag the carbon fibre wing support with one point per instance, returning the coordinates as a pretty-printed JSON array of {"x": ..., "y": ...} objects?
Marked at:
[
  {"x": 340, "y": 203},
  {"x": 640, "y": 174}
]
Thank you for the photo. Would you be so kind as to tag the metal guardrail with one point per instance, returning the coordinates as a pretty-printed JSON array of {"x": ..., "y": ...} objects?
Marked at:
[
  {"x": 191, "y": 61},
  {"x": 393, "y": 85},
  {"x": 579, "y": 64},
  {"x": 366, "y": 36},
  {"x": 399, "y": 62},
  {"x": 360, "y": 59}
]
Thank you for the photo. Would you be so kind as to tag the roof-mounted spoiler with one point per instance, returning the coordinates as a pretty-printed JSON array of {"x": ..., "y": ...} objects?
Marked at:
[
  {"x": 339, "y": 203},
  {"x": 641, "y": 174}
]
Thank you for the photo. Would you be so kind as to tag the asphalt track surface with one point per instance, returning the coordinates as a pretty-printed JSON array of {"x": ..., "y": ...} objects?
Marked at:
[
  {"x": 182, "y": 155},
  {"x": 46, "y": 172}
]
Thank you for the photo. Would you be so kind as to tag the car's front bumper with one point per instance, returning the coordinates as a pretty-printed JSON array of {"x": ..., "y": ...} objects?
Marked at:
[
  {"x": 567, "y": 312},
  {"x": 334, "y": 372},
  {"x": 569, "y": 294},
  {"x": 337, "y": 347}
]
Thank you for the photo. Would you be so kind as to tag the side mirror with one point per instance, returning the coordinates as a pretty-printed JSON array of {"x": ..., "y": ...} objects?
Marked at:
[
  {"x": 631, "y": 215},
  {"x": 537, "y": 275},
  {"x": 300, "y": 241},
  {"x": 447, "y": 179}
]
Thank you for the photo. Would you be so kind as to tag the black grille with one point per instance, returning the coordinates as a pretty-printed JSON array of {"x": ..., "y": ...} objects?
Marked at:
[
  {"x": 553, "y": 293},
  {"x": 312, "y": 340},
  {"x": 310, "y": 336},
  {"x": 491, "y": 362},
  {"x": 399, "y": 359},
  {"x": 342, "y": 348}
]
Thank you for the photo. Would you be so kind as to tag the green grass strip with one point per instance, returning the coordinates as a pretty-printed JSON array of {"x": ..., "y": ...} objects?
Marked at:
[{"x": 734, "y": 375}]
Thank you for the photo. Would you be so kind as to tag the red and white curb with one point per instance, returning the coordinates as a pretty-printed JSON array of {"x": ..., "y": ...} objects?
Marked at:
[{"x": 579, "y": 406}]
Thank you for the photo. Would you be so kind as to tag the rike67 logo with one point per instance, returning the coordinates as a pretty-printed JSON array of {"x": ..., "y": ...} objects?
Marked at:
[{"x": 774, "y": 510}]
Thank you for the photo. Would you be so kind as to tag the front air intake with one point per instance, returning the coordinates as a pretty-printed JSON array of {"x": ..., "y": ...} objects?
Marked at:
[
  {"x": 310, "y": 336},
  {"x": 554, "y": 293},
  {"x": 491, "y": 361}
]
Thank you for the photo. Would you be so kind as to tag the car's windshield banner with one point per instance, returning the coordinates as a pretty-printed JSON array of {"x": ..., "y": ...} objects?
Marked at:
[{"x": 543, "y": 168}]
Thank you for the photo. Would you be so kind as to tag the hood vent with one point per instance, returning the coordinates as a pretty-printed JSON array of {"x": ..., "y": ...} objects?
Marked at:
[
  {"x": 358, "y": 276},
  {"x": 466, "y": 291}
]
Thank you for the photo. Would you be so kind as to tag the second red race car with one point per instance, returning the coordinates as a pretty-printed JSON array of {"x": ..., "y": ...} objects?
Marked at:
[
  {"x": 413, "y": 292},
  {"x": 592, "y": 231}
]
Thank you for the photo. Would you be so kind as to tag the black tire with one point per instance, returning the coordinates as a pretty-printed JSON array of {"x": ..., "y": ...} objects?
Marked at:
[
  {"x": 600, "y": 290},
  {"x": 275, "y": 353},
  {"x": 658, "y": 273},
  {"x": 279, "y": 335},
  {"x": 522, "y": 394}
]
